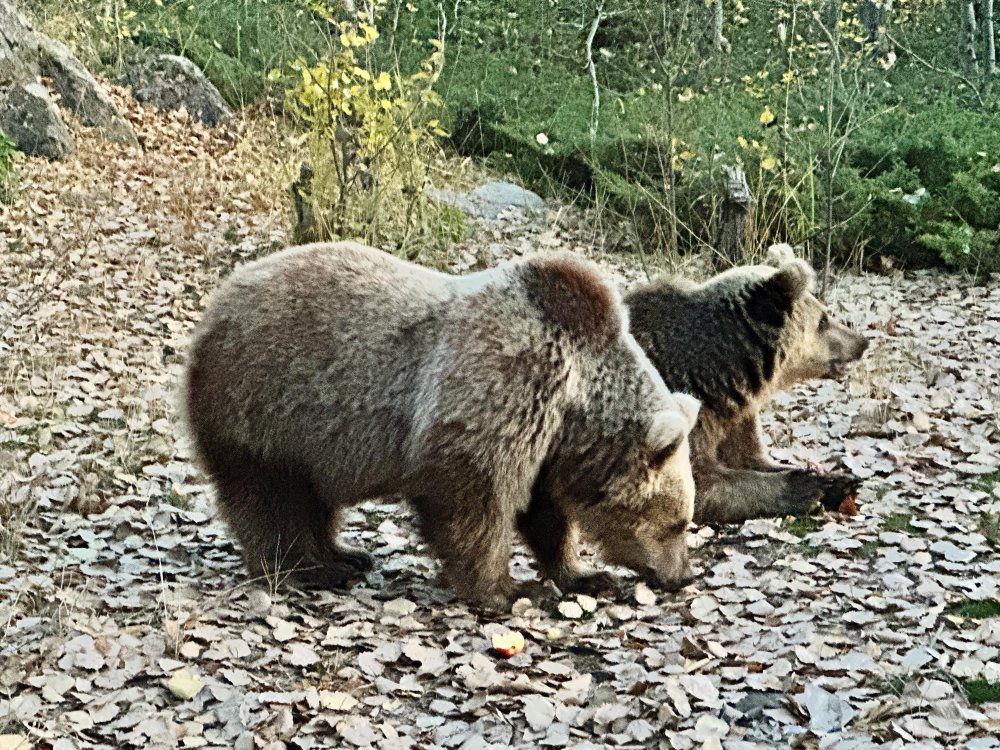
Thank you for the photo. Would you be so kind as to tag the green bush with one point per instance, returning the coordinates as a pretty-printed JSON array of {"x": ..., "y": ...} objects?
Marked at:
[
  {"x": 372, "y": 136},
  {"x": 236, "y": 42},
  {"x": 933, "y": 179},
  {"x": 8, "y": 174}
]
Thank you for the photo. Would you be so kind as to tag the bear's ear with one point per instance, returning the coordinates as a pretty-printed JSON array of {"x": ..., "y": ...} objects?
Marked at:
[
  {"x": 689, "y": 406},
  {"x": 667, "y": 431},
  {"x": 773, "y": 298},
  {"x": 780, "y": 254}
]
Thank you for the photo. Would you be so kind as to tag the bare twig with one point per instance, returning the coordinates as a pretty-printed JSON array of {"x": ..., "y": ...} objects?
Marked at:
[
  {"x": 48, "y": 280},
  {"x": 596, "y": 106},
  {"x": 936, "y": 69}
]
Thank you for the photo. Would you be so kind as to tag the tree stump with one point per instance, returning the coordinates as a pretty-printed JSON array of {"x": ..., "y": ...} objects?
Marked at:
[{"x": 736, "y": 220}]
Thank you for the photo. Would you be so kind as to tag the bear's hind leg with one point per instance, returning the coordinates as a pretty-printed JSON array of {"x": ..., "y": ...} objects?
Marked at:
[
  {"x": 281, "y": 523},
  {"x": 551, "y": 538},
  {"x": 339, "y": 555}
]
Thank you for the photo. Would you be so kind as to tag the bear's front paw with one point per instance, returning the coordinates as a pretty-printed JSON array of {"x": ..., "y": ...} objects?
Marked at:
[
  {"x": 352, "y": 557},
  {"x": 807, "y": 491},
  {"x": 838, "y": 487},
  {"x": 592, "y": 583},
  {"x": 802, "y": 494}
]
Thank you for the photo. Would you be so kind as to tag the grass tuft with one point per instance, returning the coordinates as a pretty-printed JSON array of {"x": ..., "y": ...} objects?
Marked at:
[
  {"x": 976, "y": 609},
  {"x": 981, "y": 691}
]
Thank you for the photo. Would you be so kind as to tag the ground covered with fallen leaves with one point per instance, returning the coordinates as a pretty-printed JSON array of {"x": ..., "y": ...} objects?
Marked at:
[{"x": 127, "y": 622}]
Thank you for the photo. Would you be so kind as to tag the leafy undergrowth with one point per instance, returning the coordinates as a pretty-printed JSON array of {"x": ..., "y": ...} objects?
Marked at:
[
  {"x": 127, "y": 620},
  {"x": 976, "y": 608}
]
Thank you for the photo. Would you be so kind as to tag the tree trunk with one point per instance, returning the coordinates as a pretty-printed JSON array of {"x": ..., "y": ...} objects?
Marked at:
[
  {"x": 968, "y": 9},
  {"x": 875, "y": 17},
  {"x": 720, "y": 42},
  {"x": 989, "y": 39},
  {"x": 736, "y": 220}
]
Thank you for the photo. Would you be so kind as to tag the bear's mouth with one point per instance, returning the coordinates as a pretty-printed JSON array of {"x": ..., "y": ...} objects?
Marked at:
[{"x": 838, "y": 368}]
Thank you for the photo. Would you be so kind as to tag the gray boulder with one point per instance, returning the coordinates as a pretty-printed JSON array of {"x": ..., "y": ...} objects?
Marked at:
[
  {"x": 80, "y": 92},
  {"x": 490, "y": 199},
  {"x": 18, "y": 45},
  {"x": 172, "y": 82},
  {"x": 31, "y": 119},
  {"x": 27, "y": 113}
]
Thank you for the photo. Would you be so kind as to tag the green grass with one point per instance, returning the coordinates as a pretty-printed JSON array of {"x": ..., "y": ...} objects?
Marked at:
[
  {"x": 900, "y": 522},
  {"x": 869, "y": 549},
  {"x": 803, "y": 525},
  {"x": 981, "y": 691},
  {"x": 987, "y": 482},
  {"x": 236, "y": 42},
  {"x": 8, "y": 174},
  {"x": 975, "y": 609},
  {"x": 516, "y": 69},
  {"x": 989, "y": 525}
]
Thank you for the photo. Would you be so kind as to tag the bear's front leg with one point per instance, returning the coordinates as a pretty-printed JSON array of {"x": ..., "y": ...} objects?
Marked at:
[
  {"x": 550, "y": 536},
  {"x": 472, "y": 537},
  {"x": 743, "y": 446}
]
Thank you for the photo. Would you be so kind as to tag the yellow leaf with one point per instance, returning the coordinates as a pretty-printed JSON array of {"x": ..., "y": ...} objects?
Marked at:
[
  {"x": 787, "y": 76},
  {"x": 742, "y": 141},
  {"x": 686, "y": 155},
  {"x": 769, "y": 163},
  {"x": 185, "y": 685},
  {"x": 383, "y": 82},
  {"x": 767, "y": 116}
]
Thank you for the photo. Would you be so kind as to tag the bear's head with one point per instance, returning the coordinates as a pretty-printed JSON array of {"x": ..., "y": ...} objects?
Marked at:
[
  {"x": 629, "y": 482},
  {"x": 799, "y": 338},
  {"x": 813, "y": 343}
]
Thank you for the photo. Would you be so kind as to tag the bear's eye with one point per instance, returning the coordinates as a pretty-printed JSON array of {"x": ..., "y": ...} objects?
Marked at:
[{"x": 824, "y": 323}]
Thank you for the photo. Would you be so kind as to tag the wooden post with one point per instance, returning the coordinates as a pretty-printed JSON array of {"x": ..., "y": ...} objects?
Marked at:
[{"x": 736, "y": 220}]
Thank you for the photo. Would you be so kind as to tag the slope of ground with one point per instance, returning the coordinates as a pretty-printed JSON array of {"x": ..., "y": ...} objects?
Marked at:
[{"x": 126, "y": 621}]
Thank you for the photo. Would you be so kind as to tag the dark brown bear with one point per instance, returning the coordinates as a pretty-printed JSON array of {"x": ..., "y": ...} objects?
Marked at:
[
  {"x": 329, "y": 374},
  {"x": 733, "y": 342}
]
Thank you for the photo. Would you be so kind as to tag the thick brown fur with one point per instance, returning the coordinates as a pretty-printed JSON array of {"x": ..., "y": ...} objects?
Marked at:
[
  {"x": 733, "y": 342},
  {"x": 329, "y": 374}
]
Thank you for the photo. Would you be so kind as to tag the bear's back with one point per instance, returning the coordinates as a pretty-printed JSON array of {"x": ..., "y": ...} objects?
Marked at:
[
  {"x": 300, "y": 348},
  {"x": 702, "y": 340}
]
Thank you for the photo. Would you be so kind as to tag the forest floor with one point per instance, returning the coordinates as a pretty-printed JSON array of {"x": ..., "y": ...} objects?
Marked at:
[{"x": 127, "y": 621}]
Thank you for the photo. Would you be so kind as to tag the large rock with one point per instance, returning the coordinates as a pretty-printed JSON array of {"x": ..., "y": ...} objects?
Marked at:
[
  {"x": 31, "y": 119},
  {"x": 18, "y": 45},
  {"x": 80, "y": 92},
  {"x": 27, "y": 113},
  {"x": 172, "y": 82},
  {"x": 489, "y": 200}
]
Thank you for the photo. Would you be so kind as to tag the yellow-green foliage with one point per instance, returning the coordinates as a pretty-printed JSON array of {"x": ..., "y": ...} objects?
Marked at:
[{"x": 372, "y": 136}]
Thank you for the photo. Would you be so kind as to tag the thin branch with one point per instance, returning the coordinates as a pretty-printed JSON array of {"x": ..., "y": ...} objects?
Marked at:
[
  {"x": 936, "y": 69},
  {"x": 596, "y": 106}
]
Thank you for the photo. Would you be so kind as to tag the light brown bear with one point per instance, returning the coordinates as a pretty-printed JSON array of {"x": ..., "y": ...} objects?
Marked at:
[
  {"x": 733, "y": 342},
  {"x": 329, "y": 374}
]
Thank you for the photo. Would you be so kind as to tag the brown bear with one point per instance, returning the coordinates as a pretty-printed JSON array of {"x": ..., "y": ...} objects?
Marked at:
[
  {"x": 329, "y": 374},
  {"x": 733, "y": 342}
]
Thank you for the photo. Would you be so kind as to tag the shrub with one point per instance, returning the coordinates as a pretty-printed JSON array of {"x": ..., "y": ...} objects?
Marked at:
[
  {"x": 8, "y": 174},
  {"x": 372, "y": 136},
  {"x": 934, "y": 184}
]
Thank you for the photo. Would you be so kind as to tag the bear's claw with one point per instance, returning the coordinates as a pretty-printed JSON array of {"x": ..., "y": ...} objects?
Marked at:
[{"x": 807, "y": 490}]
